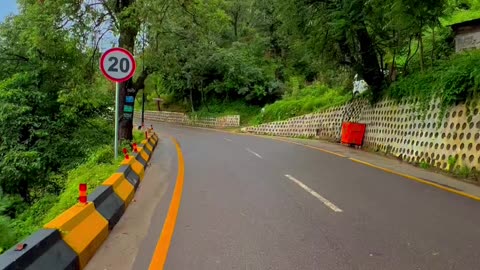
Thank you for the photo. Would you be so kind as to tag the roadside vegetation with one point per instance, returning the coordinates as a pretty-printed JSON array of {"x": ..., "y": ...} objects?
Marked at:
[
  {"x": 292, "y": 57},
  {"x": 19, "y": 219},
  {"x": 266, "y": 60},
  {"x": 452, "y": 80},
  {"x": 56, "y": 125}
]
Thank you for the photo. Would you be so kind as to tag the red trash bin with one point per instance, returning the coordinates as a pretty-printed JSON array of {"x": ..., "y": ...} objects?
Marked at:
[{"x": 353, "y": 133}]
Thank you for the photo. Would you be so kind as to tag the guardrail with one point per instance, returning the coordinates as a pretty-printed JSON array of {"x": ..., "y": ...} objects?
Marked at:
[{"x": 72, "y": 238}]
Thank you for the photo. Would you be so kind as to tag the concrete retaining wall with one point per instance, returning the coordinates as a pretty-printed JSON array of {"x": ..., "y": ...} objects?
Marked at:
[
  {"x": 184, "y": 119},
  {"x": 71, "y": 239},
  {"x": 400, "y": 129}
]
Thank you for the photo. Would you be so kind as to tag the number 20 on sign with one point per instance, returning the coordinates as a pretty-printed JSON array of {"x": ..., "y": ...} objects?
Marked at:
[{"x": 117, "y": 65}]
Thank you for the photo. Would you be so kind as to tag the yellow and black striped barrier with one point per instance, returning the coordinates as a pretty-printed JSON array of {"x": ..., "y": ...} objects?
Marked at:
[{"x": 71, "y": 239}]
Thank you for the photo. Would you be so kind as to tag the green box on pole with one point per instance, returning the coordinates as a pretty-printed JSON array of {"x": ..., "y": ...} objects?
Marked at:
[{"x": 128, "y": 108}]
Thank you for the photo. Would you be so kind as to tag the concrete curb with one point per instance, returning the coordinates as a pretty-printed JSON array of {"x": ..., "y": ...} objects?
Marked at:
[
  {"x": 45, "y": 249},
  {"x": 83, "y": 229},
  {"x": 141, "y": 159},
  {"x": 108, "y": 204},
  {"x": 70, "y": 240},
  {"x": 130, "y": 175},
  {"x": 122, "y": 187}
]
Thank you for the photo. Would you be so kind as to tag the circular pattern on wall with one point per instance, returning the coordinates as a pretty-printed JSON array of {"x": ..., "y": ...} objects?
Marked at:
[{"x": 399, "y": 128}]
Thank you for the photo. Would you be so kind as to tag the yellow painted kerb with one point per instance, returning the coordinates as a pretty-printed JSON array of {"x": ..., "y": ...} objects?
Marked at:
[
  {"x": 143, "y": 154},
  {"x": 121, "y": 187},
  {"x": 127, "y": 161},
  {"x": 148, "y": 146},
  {"x": 138, "y": 168},
  {"x": 83, "y": 229}
]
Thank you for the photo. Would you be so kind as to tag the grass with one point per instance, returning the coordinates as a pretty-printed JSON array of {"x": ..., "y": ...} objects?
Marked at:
[
  {"x": 459, "y": 16},
  {"x": 452, "y": 80},
  {"x": 464, "y": 172},
  {"x": 451, "y": 163},
  {"x": 94, "y": 171},
  {"x": 247, "y": 112},
  {"x": 138, "y": 136},
  {"x": 303, "y": 101},
  {"x": 424, "y": 165}
]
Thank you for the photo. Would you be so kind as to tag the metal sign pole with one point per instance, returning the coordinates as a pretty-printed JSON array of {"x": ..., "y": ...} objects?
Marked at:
[
  {"x": 118, "y": 65},
  {"x": 143, "y": 108},
  {"x": 117, "y": 101}
]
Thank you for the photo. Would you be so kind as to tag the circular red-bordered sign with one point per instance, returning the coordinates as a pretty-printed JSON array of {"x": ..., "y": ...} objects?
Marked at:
[{"x": 118, "y": 65}]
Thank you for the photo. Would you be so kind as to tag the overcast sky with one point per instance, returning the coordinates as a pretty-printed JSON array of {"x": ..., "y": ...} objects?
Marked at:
[{"x": 7, "y": 7}]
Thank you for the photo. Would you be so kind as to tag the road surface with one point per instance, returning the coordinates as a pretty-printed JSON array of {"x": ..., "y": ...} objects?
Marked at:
[{"x": 254, "y": 203}]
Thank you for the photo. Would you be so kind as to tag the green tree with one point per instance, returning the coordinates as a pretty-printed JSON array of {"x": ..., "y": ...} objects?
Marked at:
[{"x": 45, "y": 87}]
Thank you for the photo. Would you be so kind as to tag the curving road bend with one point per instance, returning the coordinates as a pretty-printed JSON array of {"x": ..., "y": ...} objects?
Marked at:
[{"x": 255, "y": 203}]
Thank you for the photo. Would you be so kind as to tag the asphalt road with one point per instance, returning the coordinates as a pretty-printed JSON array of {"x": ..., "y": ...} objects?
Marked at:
[{"x": 256, "y": 203}]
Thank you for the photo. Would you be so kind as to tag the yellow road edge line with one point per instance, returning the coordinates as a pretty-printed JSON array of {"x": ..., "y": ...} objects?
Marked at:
[
  {"x": 161, "y": 250},
  {"x": 416, "y": 179},
  {"x": 306, "y": 145}
]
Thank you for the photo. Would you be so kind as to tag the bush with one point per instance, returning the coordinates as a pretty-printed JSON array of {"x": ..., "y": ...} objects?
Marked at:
[
  {"x": 217, "y": 109},
  {"x": 310, "y": 99},
  {"x": 138, "y": 136},
  {"x": 91, "y": 174},
  {"x": 31, "y": 220},
  {"x": 10, "y": 205},
  {"x": 452, "y": 81},
  {"x": 97, "y": 168},
  {"x": 104, "y": 155},
  {"x": 8, "y": 237}
]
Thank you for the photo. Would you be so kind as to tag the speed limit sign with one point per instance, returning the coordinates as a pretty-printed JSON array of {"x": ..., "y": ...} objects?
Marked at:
[{"x": 118, "y": 65}]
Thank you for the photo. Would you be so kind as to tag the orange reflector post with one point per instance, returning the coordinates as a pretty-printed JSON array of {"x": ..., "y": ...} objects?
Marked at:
[
  {"x": 83, "y": 194},
  {"x": 125, "y": 153},
  {"x": 135, "y": 150}
]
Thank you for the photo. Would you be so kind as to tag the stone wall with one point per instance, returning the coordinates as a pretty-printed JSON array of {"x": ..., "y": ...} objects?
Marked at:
[
  {"x": 325, "y": 125},
  {"x": 398, "y": 129},
  {"x": 184, "y": 119}
]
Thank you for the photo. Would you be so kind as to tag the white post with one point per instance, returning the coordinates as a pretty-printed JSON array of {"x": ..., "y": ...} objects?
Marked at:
[{"x": 117, "y": 101}]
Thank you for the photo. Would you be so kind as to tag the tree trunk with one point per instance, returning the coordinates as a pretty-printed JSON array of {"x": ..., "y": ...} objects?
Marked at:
[
  {"x": 391, "y": 75},
  {"x": 371, "y": 69},
  {"x": 23, "y": 191},
  {"x": 409, "y": 52},
  {"x": 235, "y": 25},
  {"x": 420, "y": 42},
  {"x": 129, "y": 27},
  {"x": 125, "y": 125},
  {"x": 191, "y": 100},
  {"x": 433, "y": 45},
  {"x": 204, "y": 102}
]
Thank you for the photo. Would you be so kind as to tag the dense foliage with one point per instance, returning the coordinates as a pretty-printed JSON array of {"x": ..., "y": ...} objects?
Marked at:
[
  {"x": 49, "y": 114},
  {"x": 221, "y": 51},
  {"x": 53, "y": 114},
  {"x": 451, "y": 81},
  {"x": 289, "y": 57}
]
